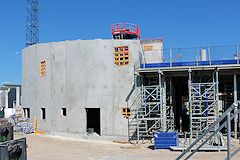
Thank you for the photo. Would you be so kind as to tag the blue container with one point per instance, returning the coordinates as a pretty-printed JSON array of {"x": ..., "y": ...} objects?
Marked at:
[{"x": 163, "y": 140}]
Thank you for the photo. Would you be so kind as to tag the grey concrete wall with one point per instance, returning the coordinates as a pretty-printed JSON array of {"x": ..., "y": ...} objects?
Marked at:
[
  {"x": 153, "y": 50},
  {"x": 79, "y": 74}
]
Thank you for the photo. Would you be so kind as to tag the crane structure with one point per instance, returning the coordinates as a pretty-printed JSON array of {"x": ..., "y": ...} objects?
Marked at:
[{"x": 32, "y": 22}]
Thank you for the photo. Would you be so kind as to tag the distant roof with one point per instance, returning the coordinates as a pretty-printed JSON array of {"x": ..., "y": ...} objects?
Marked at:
[{"x": 11, "y": 85}]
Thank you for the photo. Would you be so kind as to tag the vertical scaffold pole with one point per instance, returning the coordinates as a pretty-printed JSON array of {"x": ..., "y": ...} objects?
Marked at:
[
  {"x": 164, "y": 106},
  {"x": 217, "y": 92},
  {"x": 228, "y": 136},
  {"x": 170, "y": 52},
  {"x": 235, "y": 101},
  {"x": 160, "y": 99},
  {"x": 217, "y": 97},
  {"x": 190, "y": 98},
  {"x": 237, "y": 54}
]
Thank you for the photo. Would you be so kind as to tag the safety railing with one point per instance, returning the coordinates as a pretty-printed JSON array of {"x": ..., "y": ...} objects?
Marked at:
[
  {"x": 195, "y": 56},
  {"x": 223, "y": 121},
  {"x": 127, "y": 28}
]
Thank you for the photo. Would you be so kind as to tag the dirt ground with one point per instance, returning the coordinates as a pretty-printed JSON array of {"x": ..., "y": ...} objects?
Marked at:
[{"x": 42, "y": 147}]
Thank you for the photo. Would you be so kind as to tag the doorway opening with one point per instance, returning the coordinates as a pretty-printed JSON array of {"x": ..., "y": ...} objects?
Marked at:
[
  {"x": 93, "y": 120},
  {"x": 180, "y": 100}
]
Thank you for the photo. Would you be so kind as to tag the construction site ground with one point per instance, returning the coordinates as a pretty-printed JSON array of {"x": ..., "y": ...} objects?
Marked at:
[{"x": 55, "y": 148}]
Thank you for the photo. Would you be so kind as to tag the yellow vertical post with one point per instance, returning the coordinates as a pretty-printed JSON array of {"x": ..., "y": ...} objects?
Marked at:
[{"x": 35, "y": 124}]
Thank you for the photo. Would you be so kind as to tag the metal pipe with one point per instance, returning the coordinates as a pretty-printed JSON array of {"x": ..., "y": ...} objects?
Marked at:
[
  {"x": 217, "y": 92},
  {"x": 197, "y": 57},
  {"x": 202, "y": 144},
  {"x": 228, "y": 136},
  {"x": 229, "y": 110},
  {"x": 190, "y": 106},
  {"x": 170, "y": 57},
  {"x": 210, "y": 136},
  {"x": 235, "y": 87},
  {"x": 164, "y": 107},
  {"x": 209, "y": 56},
  {"x": 171, "y": 96},
  {"x": 235, "y": 101},
  {"x": 239, "y": 121},
  {"x": 160, "y": 101},
  {"x": 237, "y": 55}
]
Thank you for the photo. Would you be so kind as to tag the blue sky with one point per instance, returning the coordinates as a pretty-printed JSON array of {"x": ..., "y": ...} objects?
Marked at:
[{"x": 182, "y": 23}]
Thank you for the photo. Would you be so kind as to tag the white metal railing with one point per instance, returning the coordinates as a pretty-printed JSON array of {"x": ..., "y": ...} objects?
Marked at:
[{"x": 197, "y": 56}]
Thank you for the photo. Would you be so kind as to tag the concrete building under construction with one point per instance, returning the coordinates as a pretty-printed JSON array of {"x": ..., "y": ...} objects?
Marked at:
[{"x": 128, "y": 87}]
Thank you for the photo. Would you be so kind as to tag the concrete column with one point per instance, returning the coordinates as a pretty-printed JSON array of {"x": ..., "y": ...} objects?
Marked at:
[
  {"x": 17, "y": 96},
  {"x": 235, "y": 101}
]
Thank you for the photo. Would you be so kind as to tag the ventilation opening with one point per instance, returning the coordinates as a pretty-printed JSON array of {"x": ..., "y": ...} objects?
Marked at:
[
  {"x": 93, "y": 120},
  {"x": 43, "y": 110},
  {"x": 64, "y": 112},
  {"x": 26, "y": 112}
]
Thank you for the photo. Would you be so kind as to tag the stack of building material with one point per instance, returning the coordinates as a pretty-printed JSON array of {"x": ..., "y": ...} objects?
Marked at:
[
  {"x": 25, "y": 127},
  {"x": 20, "y": 124}
]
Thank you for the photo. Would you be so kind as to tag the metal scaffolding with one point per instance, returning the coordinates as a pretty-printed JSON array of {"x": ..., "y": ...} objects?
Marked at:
[
  {"x": 149, "y": 112},
  {"x": 203, "y": 104}
]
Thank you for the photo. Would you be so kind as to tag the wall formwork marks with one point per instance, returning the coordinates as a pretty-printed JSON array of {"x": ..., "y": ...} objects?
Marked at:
[{"x": 78, "y": 75}]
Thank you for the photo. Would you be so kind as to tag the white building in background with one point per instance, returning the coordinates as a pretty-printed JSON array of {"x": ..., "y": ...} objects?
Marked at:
[{"x": 10, "y": 98}]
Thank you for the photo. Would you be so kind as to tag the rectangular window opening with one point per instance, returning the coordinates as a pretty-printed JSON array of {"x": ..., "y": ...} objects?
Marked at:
[
  {"x": 43, "y": 110},
  {"x": 42, "y": 68},
  {"x": 64, "y": 112},
  {"x": 121, "y": 55}
]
